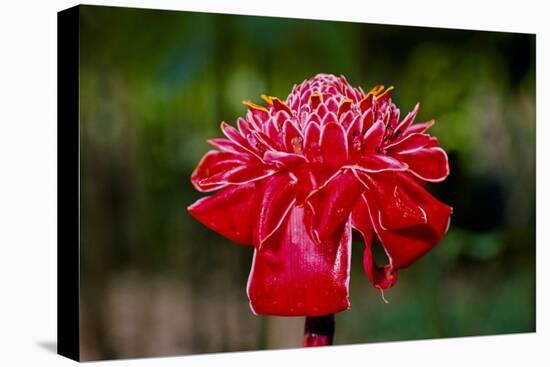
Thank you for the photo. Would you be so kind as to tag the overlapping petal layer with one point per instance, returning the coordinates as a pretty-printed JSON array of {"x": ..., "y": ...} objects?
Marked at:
[{"x": 296, "y": 176}]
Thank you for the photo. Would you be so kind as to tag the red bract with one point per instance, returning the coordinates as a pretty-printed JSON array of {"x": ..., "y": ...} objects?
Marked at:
[{"x": 297, "y": 176}]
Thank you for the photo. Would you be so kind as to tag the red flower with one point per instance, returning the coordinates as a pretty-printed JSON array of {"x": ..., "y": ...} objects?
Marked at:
[{"x": 297, "y": 176}]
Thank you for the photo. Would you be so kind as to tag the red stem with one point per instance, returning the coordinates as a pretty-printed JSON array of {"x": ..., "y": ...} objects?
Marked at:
[{"x": 319, "y": 330}]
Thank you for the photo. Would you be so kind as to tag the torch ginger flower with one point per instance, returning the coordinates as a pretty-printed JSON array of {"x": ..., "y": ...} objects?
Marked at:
[{"x": 297, "y": 176}]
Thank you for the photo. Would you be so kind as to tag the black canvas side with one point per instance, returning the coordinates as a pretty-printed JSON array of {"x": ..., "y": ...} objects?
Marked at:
[{"x": 68, "y": 166}]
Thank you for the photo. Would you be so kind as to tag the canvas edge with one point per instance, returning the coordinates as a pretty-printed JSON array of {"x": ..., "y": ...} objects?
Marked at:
[{"x": 68, "y": 184}]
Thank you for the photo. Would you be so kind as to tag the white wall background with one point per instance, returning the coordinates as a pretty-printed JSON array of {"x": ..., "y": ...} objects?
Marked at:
[{"x": 28, "y": 182}]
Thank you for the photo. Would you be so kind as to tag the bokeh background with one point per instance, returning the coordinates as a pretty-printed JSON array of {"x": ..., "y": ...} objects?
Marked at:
[{"x": 156, "y": 84}]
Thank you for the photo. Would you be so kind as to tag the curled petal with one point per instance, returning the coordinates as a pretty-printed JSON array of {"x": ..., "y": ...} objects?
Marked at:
[
  {"x": 230, "y": 212},
  {"x": 379, "y": 163},
  {"x": 398, "y": 209},
  {"x": 418, "y": 128},
  {"x": 380, "y": 278},
  {"x": 219, "y": 169},
  {"x": 276, "y": 200},
  {"x": 226, "y": 145},
  {"x": 236, "y": 176},
  {"x": 215, "y": 163},
  {"x": 287, "y": 160},
  {"x": 406, "y": 245},
  {"x": 235, "y": 136},
  {"x": 429, "y": 164},
  {"x": 409, "y": 143}
]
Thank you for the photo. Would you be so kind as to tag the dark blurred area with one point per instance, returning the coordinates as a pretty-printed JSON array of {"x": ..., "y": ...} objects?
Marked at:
[{"x": 156, "y": 84}]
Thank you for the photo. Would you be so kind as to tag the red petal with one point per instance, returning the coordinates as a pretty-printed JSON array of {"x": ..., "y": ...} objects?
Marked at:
[
  {"x": 236, "y": 176},
  {"x": 280, "y": 106},
  {"x": 297, "y": 276},
  {"x": 227, "y": 145},
  {"x": 430, "y": 164},
  {"x": 213, "y": 163},
  {"x": 399, "y": 210},
  {"x": 275, "y": 201},
  {"x": 384, "y": 97},
  {"x": 244, "y": 126},
  {"x": 334, "y": 202},
  {"x": 346, "y": 119},
  {"x": 373, "y": 137},
  {"x": 393, "y": 117},
  {"x": 315, "y": 99},
  {"x": 381, "y": 278},
  {"x": 366, "y": 102},
  {"x": 345, "y": 106},
  {"x": 293, "y": 137},
  {"x": 409, "y": 143},
  {"x": 233, "y": 134},
  {"x": 231, "y": 212},
  {"x": 334, "y": 145},
  {"x": 321, "y": 111},
  {"x": 379, "y": 163},
  {"x": 406, "y": 245},
  {"x": 288, "y": 160},
  {"x": 368, "y": 119},
  {"x": 418, "y": 128},
  {"x": 311, "y": 143},
  {"x": 408, "y": 120},
  {"x": 260, "y": 114},
  {"x": 355, "y": 128},
  {"x": 360, "y": 219},
  {"x": 332, "y": 105}
]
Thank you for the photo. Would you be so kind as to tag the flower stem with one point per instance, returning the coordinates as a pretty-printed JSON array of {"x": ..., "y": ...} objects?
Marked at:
[{"x": 319, "y": 330}]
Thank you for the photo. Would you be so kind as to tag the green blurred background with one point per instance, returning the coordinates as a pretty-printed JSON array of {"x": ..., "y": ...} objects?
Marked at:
[{"x": 156, "y": 84}]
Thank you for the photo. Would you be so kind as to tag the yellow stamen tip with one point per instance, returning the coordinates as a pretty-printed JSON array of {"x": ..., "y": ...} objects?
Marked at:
[
  {"x": 254, "y": 106},
  {"x": 268, "y": 99}
]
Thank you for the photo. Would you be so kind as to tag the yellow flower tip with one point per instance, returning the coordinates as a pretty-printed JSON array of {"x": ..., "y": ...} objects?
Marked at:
[
  {"x": 344, "y": 106},
  {"x": 280, "y": 105},
  {"x": 268, "y": 99},
  {"x": 316, "y": 95},
  {"x": 386, "y": 92},
  {"x": 254, "y": 106},
  {"x": 315, "y": 99},
  {"x": 377, "y": 89}
]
